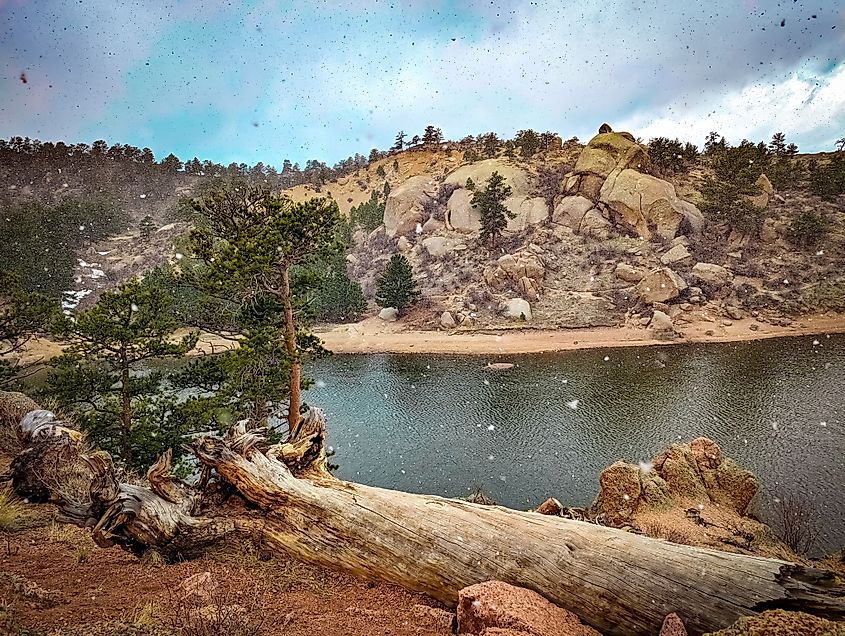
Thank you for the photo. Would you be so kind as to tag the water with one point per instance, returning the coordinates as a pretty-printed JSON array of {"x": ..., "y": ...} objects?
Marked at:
[{"x": 445, "y": 424}]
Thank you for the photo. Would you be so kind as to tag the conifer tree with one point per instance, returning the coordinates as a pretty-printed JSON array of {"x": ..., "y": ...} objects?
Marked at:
[
  {"x": 395, "y": 286},
  {"x": 489, "y": 201}
]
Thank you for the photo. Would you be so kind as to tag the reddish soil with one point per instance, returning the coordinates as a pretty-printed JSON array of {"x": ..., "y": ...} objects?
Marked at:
[{"x": 109, "y": 591}]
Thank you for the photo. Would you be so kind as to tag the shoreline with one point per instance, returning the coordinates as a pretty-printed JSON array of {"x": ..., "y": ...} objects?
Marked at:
[
  {"x": 373, "y": 336},
  {"x": 367, "y": 338}
]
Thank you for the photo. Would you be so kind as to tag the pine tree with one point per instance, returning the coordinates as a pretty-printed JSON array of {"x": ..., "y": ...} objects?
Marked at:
[
  {"x": 432, "y": 135},
  {"x": 778, "y": 144},
  {"x": 489, "y": 201},
  {"x": 399, "y": 142},
  {"x": 340, "y": 299},
  {"x": 23, "y": 315},
  {"x": 102, "y": 374},
  {"x": 395, "y": 286}
]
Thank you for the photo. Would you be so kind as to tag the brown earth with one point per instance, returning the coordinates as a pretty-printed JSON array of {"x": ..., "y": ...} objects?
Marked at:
[{"x": 88, "y": 590}]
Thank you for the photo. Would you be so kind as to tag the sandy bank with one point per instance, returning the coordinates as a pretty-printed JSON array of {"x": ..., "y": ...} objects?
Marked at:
[{"x": 375, "y": 336}]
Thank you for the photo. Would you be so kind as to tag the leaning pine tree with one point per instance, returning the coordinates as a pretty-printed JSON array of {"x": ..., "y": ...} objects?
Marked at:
[
  {"x": 489, "y": 201},
  {"x": 395, "y": 286}
]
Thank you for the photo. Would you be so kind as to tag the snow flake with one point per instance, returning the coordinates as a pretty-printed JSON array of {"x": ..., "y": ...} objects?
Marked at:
[
  {"x": 573, "y": 404},
  {"x": 490, "y": 427}
]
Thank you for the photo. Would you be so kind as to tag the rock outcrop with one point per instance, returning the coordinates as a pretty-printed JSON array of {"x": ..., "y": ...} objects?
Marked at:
[
  {"x": 517, "y": 309},
  {"x": 498, "y": 608},
  {"x": 660, "y": 286},
  {"x": 404, "y": 206},
  {"x": 681, "y": 474},
  {"x": 712, "y": 274}
]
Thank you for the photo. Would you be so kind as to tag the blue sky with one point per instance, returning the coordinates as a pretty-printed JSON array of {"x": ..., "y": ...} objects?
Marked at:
[{"x": 265, "y": 80}]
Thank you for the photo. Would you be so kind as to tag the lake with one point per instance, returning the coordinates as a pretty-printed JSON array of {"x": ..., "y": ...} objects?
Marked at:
[{"x": 547, "y": 427}]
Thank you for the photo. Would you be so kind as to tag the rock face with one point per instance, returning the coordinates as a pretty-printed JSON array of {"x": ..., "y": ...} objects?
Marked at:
[
  {"x": 571, "y": 210},
  {"x": 645, "y": 203},
  {"x": 403, "y": 209},
  {"x": 528, "y": 210},
  {"x": 694, "y": 472},
  {"x": 611, "y": 151},
  {"x": 660, "y": 285},
  {"x": 495, "y": 607},
  {"x": 438, "y": 246},
  {"x": 712, "y": 274},
  {"x": 517, "y": 309}
]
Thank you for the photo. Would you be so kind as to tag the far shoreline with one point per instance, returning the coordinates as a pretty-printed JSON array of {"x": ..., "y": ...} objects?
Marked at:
[{"x": 370, "y": 337}]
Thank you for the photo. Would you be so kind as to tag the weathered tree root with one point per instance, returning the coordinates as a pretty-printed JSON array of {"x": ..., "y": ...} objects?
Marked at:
[{"x": 618, "y": 582}]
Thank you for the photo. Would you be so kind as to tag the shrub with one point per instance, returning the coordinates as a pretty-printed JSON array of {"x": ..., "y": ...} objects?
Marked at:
[
  {"x": 795, "y": 518},
  {"x": 808, "y": 228},
  {"x": 828, "y": 180},
  {"x": 670, "y": 156}
]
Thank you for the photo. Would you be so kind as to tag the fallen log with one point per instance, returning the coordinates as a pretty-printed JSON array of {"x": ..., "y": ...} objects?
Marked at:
[{"x": 284, "y": 497}]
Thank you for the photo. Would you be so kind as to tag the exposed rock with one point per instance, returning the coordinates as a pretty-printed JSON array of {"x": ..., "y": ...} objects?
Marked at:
[
  {"x": 517, "y": 309},
  {"x": 495, "y": 605},
  {"x": 480, "y": 171},
  {"x": 438, "y": 246},
  {"x": 460, "y": 214},
  {"x": 508, "y": 264},
  {"x": 737, "y": 486},
  {"x": 629, "y": 273},
  {"x": 496, "y": 278},
  {"x": 571, "y": 210},
  {"x": 712, "y": 274},
  {"x": 447, "y": 321},
  {"x": 404, "y": 245},
  {"x": 661, "y": 326},
  {"x": 678, "y": 254},
  {"x": 610, "y": 151},
  {"x": 734, "y": 312},
  {"x": 660, "y": 285},
  {"x": 550, "y": 506},
  {"x": 528, "y": 211},
  {"x": 782, "y": 623},
  {"x": 620, "y": 492},
  {"x": 403, "y": 209},
  {"x": 528, "y": 288},
  {"x": 432, "y": 226},
  {"x": 443, "y": 619},
  {"x": 766, "y": 191},
  {"x": 525, "y": 264},
  {"x": 595, "y": 225},
  {"x": 389, "y": 314},
  {"x": 644, "y": 202},
  {"x": 673, "y": 626},
  {"x": 768, "y": 231}
]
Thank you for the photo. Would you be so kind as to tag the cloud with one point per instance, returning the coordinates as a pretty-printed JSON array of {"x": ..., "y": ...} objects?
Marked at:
[
  {"x": 328, "y": 79},
  {"x": 806, "y": 107}
]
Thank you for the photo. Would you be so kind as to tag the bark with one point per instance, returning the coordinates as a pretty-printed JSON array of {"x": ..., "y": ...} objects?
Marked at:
[
  {"x": 619, "y": 583},
  {"x": 295, "y": 364}
]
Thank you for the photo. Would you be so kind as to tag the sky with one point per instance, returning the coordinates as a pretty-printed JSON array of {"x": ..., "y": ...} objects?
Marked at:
[{"x": 265, "y": 80}]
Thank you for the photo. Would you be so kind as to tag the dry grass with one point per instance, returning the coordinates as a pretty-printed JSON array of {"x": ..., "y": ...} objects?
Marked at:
[
  {"x": 665, "y": 531},
  {"x": 14, "y": 514},
  {"x": 276, "y": 573},
  {"x": 19, "y": 588}
]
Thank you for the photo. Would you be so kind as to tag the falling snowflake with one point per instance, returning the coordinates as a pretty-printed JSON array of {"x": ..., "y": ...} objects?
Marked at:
[
  {"x": 607, "y": 358},
  {"x": 573, "y": 404},
  {"x": 134, "y": 307},
  {"x": 419, "y": 228},
  {"x": 320, "y": 384},
  {"x": 143, "y": 196},
  {"x": 490, "y": 427},
  {"x": 645, "y": 467}
]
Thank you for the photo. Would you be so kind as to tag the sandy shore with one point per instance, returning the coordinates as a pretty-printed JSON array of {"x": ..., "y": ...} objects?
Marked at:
[{"x": 375, "y": 336}]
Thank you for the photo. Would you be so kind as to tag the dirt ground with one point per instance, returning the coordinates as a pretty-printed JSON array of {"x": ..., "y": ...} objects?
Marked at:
[{"x": 54, "y": 580}]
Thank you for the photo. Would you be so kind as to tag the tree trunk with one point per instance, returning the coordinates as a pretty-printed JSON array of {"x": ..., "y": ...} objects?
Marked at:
[
  {"x": 619, "y": 583},
  {"x": 295, "y": 363}
]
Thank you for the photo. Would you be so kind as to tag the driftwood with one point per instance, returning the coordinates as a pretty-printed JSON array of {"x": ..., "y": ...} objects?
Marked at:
[{"x": 284, "y": 497}]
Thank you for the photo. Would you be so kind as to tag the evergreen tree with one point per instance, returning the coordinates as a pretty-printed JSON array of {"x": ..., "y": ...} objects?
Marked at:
[
  {"x": 23, "y": 315},
  {"x": 370, "y": 214},
  {"x": 777, "y": 145},
  {"x": 736, "y": 169},
  {"x": 395, "y": 286},
  {"x": 528, "y": 142},
  {"x": 399, "y": 142},
  {"x": 489, "y": 201},
  {"x": 339, "y": 298},
  {"x": 102, "y": 376},
  {"x": 260, "y": 249},
  {"x": 432, "y": 135}
]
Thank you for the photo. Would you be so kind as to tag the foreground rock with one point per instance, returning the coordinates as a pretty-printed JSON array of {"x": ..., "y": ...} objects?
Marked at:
[
  {"x": 492, "y": 607},
  {"x": 683, "y": 474}
]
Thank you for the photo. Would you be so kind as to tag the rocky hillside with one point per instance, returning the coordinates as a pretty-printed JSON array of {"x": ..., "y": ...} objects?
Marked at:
[{"x": 596, "y": 240}]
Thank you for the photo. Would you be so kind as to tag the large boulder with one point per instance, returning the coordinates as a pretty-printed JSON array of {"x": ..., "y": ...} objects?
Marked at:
[
  {"x": 404, "y": 206},
  {"x": 611, "y": 151},
  {"x": 389, "y": 314},
  {"x": 594, "y": 225},
  {"x": 517, "y": 309},
  {"x": 571, "y": 210},
  {"x": 712, "y": 274},
  {"x": 480, "y": 171},
  {"x": 661, "y": 326},
  {"x": 660, "y": 286},
  {"x": 494, "y": 607},
  {"x": 438, "y": 246},
  {"x": 527, "y": 211},
  {"x": 766, "y": 192},
  {"x": 460, "y": 214},
  {"x": 645, "y": 203},
  {"x": 620, "y": 492}
]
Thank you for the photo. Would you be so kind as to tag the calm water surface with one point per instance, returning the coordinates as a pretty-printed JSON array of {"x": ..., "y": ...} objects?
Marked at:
[{"x": 445, "y": 424}]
